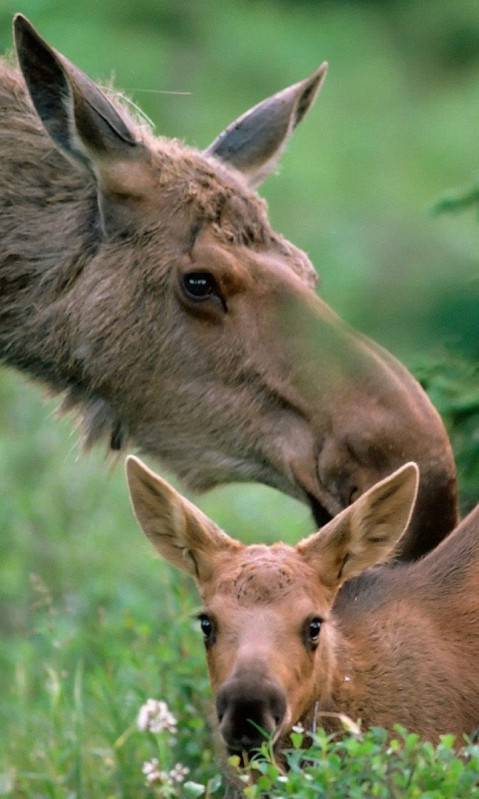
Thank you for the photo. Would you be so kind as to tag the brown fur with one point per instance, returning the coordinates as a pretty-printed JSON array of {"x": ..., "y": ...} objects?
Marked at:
[
  {"x": 99, "y": 223},
  {"x": 398, "y": 644}
]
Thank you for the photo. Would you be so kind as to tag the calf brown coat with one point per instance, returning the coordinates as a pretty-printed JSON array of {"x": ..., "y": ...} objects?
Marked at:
[{"x": 296, "y": 633}]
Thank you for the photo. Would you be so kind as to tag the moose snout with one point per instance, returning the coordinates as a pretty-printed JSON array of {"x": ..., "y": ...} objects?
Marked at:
[{"x": 249, "y": 709}]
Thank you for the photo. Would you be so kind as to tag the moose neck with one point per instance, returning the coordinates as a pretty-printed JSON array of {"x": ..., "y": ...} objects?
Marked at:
[
  {"x": 399, "y": 634},
  {"x": 47, "y": 208},
  {"x": 352, "y": 681},
  {"x": 44, "y": 255}
]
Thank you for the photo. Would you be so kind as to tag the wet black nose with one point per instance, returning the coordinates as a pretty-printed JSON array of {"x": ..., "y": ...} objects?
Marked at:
[{"x": 249, "y": 709}]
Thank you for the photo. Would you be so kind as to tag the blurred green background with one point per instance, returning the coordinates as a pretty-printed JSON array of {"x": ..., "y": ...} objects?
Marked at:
[{"x": 393, "y": 131}]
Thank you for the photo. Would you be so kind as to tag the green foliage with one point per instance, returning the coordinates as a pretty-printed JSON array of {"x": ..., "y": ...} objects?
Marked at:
[
  {"x": 453, "y": 386},
  {"x": 459, "y": 200},
  {"x": 368, "y": 764},
  {"x": 69, "y": 726}
]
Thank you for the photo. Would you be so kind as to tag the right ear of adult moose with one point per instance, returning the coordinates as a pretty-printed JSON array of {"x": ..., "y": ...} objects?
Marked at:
[{"x": 254, "y": 142}]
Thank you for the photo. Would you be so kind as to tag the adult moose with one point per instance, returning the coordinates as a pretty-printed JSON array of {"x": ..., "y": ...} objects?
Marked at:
[
  {"x": 142, "y": 279},
  {"x": 401, "y": 645}
]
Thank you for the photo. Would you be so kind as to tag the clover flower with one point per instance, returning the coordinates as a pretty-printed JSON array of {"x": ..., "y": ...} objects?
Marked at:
[
  {"x": 164, "y": 780},
  {"x": 179, "y": 772},
  {"x": 153, "y": 774},
  {"x": 155, "y": 716}
]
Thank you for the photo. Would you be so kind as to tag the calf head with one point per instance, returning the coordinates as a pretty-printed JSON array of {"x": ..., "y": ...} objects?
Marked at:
[{"x": 266, "y": 621}]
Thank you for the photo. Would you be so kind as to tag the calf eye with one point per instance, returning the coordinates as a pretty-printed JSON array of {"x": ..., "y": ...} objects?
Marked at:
[
  {"x": 206, "y": 626},
  {"x": 314, "y": 628}
]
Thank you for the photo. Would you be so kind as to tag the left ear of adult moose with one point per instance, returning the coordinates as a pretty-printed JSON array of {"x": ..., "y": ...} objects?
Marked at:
[
  {"x": 83, "y": 124},
  {"x": 254, "y": 142}
]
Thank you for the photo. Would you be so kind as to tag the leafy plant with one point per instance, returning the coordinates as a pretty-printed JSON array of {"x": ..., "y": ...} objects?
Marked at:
[
  {"x": 366, "y": 764},
  {"x": 453, "y": 386}
]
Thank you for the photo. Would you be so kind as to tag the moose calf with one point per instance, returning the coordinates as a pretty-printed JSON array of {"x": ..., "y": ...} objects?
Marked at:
[{"x": 293, "y": 633}]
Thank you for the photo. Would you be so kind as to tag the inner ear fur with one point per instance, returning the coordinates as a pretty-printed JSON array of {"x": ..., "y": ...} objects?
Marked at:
[
  {"x": 87, "y": 128},
  {"x": 178, "y": 530},
  {"x": 255, "y": 141},
  {"x": 367, "y": 532}
]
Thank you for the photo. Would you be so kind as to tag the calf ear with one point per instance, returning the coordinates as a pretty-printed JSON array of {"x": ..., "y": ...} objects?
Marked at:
[
  {"x": 178, "y": 530},
  {"x": 82, "y": 122},
  {"x": 366, "y": 532},
  {"x": 254, "y": 142}
]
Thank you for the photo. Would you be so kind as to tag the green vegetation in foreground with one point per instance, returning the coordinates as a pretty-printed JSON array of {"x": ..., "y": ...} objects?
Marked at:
[{"x": 365, "y": 765}]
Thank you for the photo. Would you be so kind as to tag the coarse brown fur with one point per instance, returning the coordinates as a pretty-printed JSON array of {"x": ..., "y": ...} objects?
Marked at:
[
  {"x": 101, "y": 224},
  {"x": 309, "y": 631}
]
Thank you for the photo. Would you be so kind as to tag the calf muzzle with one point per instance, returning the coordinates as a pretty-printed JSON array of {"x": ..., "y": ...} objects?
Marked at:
[{"x": 250, "y": 709}]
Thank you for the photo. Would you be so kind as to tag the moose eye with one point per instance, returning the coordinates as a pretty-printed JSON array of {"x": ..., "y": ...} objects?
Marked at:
[
  {"x": 206, "y": 626},
  {"x": 199, "y": 285},
  {"x": 314, "y": 628}
]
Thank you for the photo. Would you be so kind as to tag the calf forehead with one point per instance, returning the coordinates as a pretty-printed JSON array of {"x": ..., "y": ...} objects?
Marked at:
[{"x": 263, "y": 575}]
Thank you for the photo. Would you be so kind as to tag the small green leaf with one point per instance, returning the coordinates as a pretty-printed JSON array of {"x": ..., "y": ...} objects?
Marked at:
[
  {"x": 193, "y": 789},
  {"x": 297, "y": 739}
]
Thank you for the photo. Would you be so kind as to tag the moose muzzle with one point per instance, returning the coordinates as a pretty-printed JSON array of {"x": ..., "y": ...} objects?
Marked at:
[{"x": 250, "y": 708}]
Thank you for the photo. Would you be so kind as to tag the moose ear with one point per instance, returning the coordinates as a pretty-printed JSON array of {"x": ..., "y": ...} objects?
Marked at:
[
  {"x": 366, "y": 532},
  {"x": 82, "y": 122},
  {"x": 178, "y": 530},
  {"x": 254, "y": 142}
]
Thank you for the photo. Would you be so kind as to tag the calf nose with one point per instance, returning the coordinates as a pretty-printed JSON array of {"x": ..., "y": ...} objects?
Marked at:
[{"x": 249, "y": 709}]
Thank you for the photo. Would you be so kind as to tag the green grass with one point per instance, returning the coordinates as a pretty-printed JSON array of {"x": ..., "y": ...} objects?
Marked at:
[{"x": 91, "y": 624}]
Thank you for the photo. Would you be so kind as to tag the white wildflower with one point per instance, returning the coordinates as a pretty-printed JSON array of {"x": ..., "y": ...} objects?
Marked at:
[
  {"x": 179, "y": 772},
  {"x": 155, "y": 716},
  {"x": 298, "y": 728},
  {"x": 150, "y": 765},
  {"x": 153, "y": 774}
]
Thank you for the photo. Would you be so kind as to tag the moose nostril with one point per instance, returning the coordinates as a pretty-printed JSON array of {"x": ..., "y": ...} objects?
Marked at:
[{"x": 248, "y": 710}]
